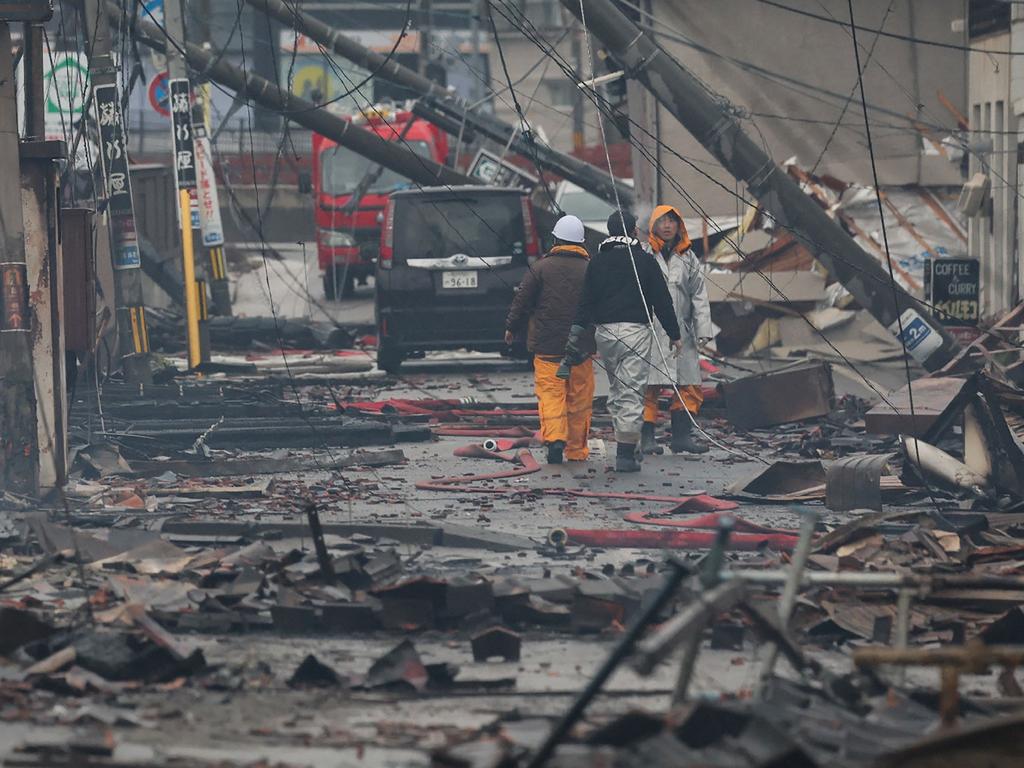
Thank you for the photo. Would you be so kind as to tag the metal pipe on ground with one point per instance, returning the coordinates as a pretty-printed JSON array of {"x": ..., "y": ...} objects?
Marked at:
[
  {"x": 678, "y": 572},
  {"x": 876, "y": 580},
  {"x": 809, "y": 521}
]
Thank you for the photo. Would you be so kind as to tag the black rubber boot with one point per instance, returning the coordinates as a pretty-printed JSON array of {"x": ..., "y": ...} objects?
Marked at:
[
  {"x": 626, "y": 458},
  {"x": 648, "y": 444},
  {"x": 555, "y": 451},
  {"x": 683, "y": 438}
]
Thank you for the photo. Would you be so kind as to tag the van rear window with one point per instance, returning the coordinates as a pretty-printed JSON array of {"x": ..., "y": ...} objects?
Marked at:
[{"x": 430, "y": 228}]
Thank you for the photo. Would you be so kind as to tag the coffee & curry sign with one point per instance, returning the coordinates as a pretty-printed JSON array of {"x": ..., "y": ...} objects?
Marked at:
[{"x": 953, "y": 290}]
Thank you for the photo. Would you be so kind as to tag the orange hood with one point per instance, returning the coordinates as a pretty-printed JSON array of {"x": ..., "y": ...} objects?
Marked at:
[{"x": 656, "y": 242}]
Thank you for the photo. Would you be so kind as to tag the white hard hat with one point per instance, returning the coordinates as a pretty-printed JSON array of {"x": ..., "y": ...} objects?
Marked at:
[{"x": 570, "y": 229}]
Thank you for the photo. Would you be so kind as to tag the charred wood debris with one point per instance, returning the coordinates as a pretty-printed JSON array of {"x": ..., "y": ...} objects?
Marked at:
[{"x": 197, "y": 510}]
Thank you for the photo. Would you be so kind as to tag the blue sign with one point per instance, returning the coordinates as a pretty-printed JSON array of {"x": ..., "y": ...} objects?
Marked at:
[{"x": 914, "y": 334}]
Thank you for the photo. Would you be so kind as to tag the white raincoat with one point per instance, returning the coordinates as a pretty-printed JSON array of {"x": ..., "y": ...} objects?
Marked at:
[{"x": 685, "y": 277}]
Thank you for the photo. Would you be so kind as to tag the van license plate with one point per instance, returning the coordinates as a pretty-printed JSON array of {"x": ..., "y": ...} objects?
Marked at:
[{"x": 458, "y": 280}]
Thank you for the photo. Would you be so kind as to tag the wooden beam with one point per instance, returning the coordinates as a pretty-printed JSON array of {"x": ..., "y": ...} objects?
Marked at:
[{"x": 942, "y": 213}]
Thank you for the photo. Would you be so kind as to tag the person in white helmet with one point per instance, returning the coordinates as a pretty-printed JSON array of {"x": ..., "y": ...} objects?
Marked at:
[{"x": 545, "y": 302}]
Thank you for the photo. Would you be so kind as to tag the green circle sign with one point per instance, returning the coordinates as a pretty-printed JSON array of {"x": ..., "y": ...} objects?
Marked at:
[{"x": 68, "y": 82}]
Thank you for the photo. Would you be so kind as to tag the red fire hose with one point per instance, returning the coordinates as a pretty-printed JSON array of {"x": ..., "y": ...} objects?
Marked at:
[
  {"x": 528, "y": 466},
  {"x": 710, "y": 521},
  {"x": 610, "y": 537},
  {"x": 483, "y": 432},
  {"x": 748, "y": 536}
]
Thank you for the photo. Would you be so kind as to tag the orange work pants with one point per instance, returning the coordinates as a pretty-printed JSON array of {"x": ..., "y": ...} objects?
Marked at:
[
  {"x": 692, "y": 395},
  {"x": 565, "y": 406}
]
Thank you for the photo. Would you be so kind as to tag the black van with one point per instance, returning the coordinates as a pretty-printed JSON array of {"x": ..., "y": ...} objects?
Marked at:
[{"x": 450, "y": 260}]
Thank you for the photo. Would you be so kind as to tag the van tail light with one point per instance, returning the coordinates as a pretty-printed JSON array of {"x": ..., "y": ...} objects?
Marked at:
[
  {"x": 532, "y": 241},
  {"x": 387, "y": 236}
]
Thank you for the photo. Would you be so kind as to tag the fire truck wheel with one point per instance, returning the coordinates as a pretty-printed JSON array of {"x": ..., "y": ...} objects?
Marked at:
[
  {"x": 333, "y": 281},
  {"x": 389, "y": 359}
]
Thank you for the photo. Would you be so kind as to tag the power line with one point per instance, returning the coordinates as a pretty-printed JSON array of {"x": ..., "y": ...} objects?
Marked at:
[
  {"x": 885, "y": 239},
  {"x": 605, "y": 108},
  {"x": 500, "y": 277},
  {"x": 853, "y": 92},
  {"x": 893, "y": 35}
]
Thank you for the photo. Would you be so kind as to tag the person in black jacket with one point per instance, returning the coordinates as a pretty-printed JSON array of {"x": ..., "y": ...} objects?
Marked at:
[{"x": 622, "y": 291}]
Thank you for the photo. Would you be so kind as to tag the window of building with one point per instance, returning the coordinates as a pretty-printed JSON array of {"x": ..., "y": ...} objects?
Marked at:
[
  {"x": 559, "y": 91},
  {"x": 988, "y": 17}
]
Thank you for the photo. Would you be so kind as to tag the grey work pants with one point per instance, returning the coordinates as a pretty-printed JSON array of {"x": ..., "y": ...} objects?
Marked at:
[{"x": 625, "y": 353}]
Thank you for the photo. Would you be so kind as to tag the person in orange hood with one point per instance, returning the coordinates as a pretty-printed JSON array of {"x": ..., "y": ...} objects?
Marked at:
[{"x": 685, "y": 277}]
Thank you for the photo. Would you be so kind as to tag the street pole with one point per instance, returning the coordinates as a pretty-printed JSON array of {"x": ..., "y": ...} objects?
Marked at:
[
  {"x": 436, "y": 100},
  {"x": 426, "y": 29},
  {"x": 707, "y": 118},
  {"x": 476, "y": 86},
  {"x": 185, "y": 181},
  {"x": 577, "y": 96},
  {"x": 19, "y": 447},
  {"x": 132, "y": 335},
  {"x": 210, "y": 225}
]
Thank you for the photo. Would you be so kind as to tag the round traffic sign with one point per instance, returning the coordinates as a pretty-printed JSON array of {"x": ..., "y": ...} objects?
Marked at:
[{"x": 158, "y": 94}]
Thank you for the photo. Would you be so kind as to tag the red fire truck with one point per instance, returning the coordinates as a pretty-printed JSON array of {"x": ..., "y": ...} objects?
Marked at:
[{"x": 348, "y": 225}]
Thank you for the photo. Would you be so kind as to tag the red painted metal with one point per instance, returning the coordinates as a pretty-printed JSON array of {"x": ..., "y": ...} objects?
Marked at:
[{"x": 642, "y": 539}]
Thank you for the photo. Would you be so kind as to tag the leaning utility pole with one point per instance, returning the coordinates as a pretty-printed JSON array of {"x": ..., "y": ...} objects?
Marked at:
[
  {"x": 389, "y": 154},
  {"x": 420, "y": 170},
  {"x": 132, "y": 334},
  {"x": 19, "y": 445},
  {"x": 185, "y": 181},
  {"x": 706, "y": 116},
  {"x": 436, "y": 103}
]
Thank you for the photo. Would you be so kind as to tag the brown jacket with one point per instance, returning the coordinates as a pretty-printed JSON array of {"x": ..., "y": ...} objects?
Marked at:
[{"x": 547, "y": 299}]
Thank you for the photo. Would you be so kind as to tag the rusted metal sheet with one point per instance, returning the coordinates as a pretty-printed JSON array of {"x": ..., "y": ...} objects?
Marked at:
[
  {"x": 854, "y": 483},
  {"x": 794, "y": 394}
]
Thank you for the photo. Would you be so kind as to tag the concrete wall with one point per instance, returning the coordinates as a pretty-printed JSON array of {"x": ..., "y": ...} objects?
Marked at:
[
  {"x": 545, "y": 93},
  {"x": 991, "y": 235},
  {"x": 809, "y": 76}
]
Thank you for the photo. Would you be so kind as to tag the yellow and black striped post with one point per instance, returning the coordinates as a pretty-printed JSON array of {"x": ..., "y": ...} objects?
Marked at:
[
  {"x": 220, "y": 288},
  {"x": 140, "y": 334}
]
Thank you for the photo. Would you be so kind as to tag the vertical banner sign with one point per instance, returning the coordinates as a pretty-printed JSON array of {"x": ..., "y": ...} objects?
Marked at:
[
  {"x": 116, "y": 183},
  {"x": 181, "y": 127},
  {"x": 209, "y": 202},
  {"x": 184, "y": 147},
  {"x": 13, "y": 297}
]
